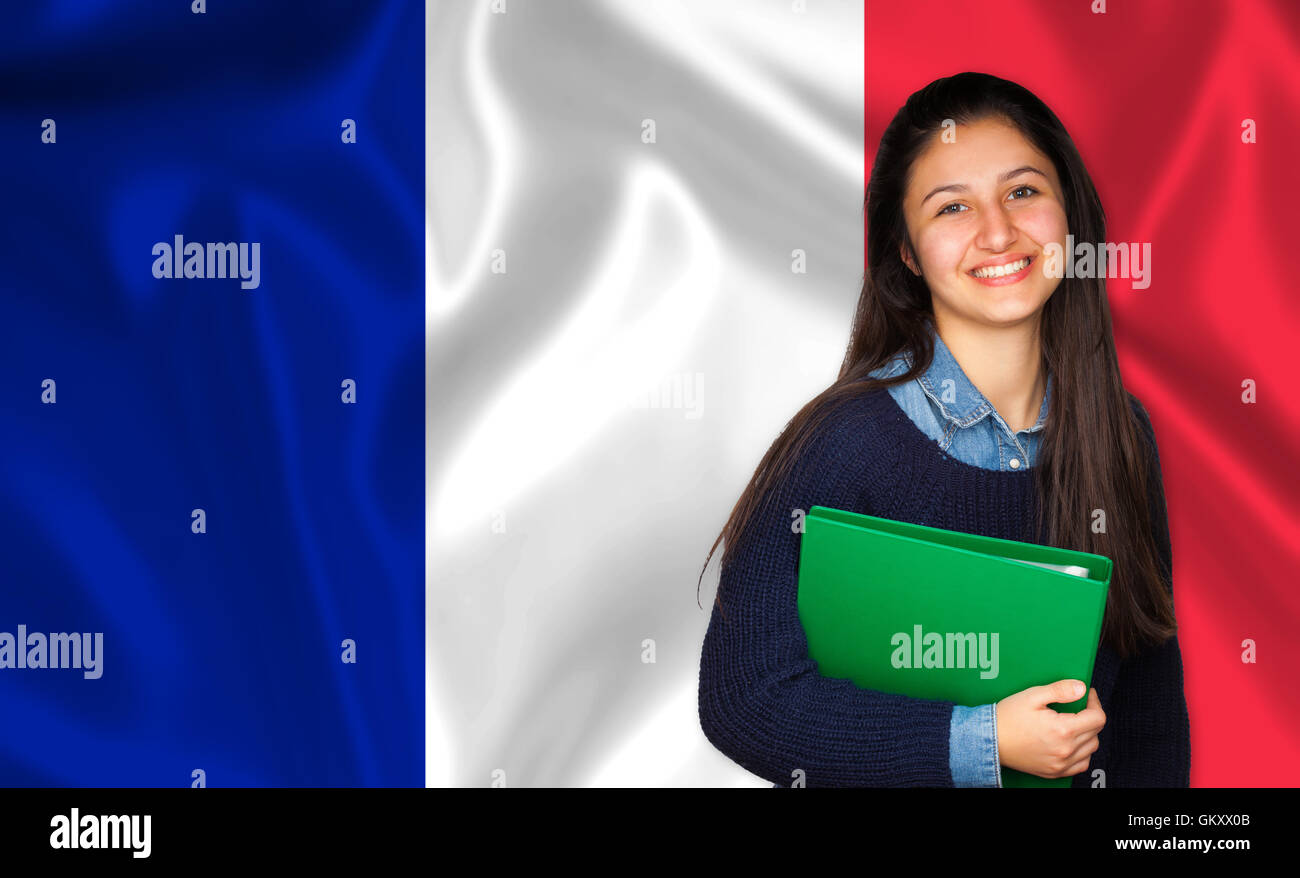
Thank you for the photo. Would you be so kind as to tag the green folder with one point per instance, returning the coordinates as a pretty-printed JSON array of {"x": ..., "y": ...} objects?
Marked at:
[{"x": 873, "y": 593}]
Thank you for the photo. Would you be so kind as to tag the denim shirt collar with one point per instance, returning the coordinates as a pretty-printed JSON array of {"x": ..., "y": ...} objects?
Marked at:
[{"x": 967, "y": 405}]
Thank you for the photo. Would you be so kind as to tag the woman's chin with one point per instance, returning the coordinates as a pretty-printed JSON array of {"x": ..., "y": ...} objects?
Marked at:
[{"x": 1008, "y": 313}]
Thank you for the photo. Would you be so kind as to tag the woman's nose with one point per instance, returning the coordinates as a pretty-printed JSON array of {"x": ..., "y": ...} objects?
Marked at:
[{"x": 996, "y": 231}]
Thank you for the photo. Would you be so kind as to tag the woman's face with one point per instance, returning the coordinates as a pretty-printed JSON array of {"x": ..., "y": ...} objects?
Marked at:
[{"x": 988, "y": 197}]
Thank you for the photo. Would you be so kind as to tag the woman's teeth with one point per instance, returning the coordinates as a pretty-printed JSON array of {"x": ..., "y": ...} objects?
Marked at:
[{"x": 1001, "y": 270}]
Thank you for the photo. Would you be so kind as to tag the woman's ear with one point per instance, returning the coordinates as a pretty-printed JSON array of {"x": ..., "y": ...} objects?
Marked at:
[{"x": 905, "y": 254}]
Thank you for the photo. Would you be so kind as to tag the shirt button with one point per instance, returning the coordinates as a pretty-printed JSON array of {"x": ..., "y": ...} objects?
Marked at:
[{"x": 1015, "y": 463}]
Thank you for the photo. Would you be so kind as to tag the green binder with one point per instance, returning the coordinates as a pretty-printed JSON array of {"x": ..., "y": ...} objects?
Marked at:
[{"x": 1008, "y": 615}]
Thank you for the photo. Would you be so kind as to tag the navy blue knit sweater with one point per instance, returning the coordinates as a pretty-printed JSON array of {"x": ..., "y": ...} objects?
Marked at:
[{"x": 762, "y": 701}]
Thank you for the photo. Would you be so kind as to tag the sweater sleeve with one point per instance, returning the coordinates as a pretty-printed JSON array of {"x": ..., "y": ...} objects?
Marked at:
[
  {"x": 1152, "y": 740},
  {"x": 762, "y": 701}
]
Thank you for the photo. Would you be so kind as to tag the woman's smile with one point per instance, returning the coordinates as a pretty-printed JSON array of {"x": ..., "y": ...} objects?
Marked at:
[{"x": 1000, "y": 273}]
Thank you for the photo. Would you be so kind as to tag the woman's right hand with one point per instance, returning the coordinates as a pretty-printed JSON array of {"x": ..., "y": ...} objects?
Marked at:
[{"x": 1035, "y": 739}]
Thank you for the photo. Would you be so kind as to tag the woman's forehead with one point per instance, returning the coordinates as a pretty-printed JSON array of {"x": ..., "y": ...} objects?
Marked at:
[{"x": 973, "y": 155}]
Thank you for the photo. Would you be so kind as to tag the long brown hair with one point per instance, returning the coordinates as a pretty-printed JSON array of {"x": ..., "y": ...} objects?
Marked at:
[{"x": 1093, "y": 453}]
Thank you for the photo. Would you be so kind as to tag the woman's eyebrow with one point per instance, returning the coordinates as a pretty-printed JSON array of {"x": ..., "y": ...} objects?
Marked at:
[{"x": 961, "y": 187}]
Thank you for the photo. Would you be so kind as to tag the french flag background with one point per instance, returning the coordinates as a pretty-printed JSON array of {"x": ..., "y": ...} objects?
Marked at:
[
  {"x": 427, "y": 505},
  {"x": 222, "y": 649}
]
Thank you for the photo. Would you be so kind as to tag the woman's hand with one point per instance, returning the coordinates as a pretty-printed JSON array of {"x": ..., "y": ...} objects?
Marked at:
[{"x": 1036, "y": 739}]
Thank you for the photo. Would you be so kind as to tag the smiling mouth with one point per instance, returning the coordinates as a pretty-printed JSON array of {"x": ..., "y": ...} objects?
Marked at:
[{"x": 997, "y": 271}]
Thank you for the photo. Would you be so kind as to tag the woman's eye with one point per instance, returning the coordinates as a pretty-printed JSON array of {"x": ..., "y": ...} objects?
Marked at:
[{"x": 947, "y": 211}]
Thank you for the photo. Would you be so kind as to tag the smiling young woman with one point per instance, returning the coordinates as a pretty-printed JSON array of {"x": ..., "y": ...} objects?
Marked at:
[{"x": 979, "y": 393}]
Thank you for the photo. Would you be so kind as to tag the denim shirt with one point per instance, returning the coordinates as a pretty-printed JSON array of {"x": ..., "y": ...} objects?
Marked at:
[{"x": 950, "y": 410}]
